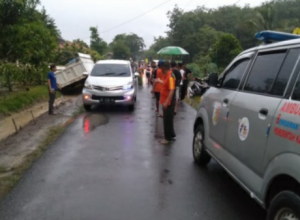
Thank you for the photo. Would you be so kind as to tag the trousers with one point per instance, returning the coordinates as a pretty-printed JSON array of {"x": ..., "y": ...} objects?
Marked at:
[
  {"x": 51, "y": 102},
  {"x": 169, "y": 121}
]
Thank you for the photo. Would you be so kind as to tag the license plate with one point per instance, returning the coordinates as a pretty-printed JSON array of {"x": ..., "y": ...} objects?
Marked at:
[{"x": 107, "y": 100}]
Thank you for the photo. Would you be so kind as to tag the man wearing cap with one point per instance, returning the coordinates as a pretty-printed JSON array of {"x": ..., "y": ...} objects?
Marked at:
[
  {"x": 158, "y": 74},
  {"x": 167, "y": 100}
]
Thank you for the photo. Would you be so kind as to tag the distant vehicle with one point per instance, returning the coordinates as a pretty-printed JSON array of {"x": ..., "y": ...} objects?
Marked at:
[
  {"x": 249, "y": 122},
  {"x": 75, "y": 71},
  {"x": 111, "y": 82}
]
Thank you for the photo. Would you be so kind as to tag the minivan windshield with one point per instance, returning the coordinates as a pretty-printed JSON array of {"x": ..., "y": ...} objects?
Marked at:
[{"x": 111, "y": 70}]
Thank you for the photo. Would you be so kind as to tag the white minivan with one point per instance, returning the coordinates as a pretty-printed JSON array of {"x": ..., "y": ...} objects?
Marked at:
[
  {"x": 249, "y": 122},
  {"x": 111, "y": 82}
]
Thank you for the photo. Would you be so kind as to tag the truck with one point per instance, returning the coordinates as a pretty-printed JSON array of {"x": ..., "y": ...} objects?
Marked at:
[{"x": 75, "y": 71}]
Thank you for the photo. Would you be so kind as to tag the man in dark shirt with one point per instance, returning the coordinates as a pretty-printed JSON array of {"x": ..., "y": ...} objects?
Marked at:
[
  {"x": 52, "y": 86},
  {"x": 177, "y": 74},
  {"x": 187, "y": 73}
]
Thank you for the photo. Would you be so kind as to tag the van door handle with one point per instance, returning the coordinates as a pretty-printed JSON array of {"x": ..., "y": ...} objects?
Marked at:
[
  {"x": 226, "y": 101},
  {"x": 264, "y": 112}
]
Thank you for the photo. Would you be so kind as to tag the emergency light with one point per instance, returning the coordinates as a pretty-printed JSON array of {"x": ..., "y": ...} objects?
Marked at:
[{"x": 274, "y": 36}]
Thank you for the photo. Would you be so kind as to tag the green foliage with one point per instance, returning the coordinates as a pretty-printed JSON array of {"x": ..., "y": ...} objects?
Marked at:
[
  {"x": 133, "y": 42},
  {"x": 121, "y": 50},
  {"x": 27, "y": 35},
  {"x": 225, "y": 50},
  {"x": 12, "y": 74},
  {"x": 17, "y": 101},
  {"x": 69, "y": 50},
  {"x": 97, "y": 43},
  {"x": 198, "y": 30}
]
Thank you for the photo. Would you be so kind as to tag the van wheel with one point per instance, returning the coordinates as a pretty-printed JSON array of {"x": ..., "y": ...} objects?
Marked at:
[
  {"x": 201, "y": 157},
  {"x": 87, "y": 107},
  {"x": 131, "y": 107},
  {"x": 285, "y": 206}
]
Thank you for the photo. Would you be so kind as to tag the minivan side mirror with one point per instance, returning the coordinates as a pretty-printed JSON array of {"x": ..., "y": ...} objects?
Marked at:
[
  {"x": 213, "y": 80},
  {"x": 136, "y": 75},
  {"x": 85, "y": 73}
]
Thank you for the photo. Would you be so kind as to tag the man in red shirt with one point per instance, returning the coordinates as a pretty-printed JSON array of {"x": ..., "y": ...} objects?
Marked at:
[{"x": 167, "y": 100}]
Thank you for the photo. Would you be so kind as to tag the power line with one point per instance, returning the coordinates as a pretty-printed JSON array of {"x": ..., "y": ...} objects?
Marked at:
[
  {"x": 237, "y": 2},
  {"x": 136, "y": 17}
]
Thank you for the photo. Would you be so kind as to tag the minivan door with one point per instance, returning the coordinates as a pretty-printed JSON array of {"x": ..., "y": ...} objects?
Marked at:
[
  {"x": 253, "y": 109},
  {"x": 220, "y": 99}
]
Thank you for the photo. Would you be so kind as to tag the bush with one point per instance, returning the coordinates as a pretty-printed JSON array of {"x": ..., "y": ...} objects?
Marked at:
[
  {"x": 19, "y": 100},
  {"x": 12, "y": 74}
]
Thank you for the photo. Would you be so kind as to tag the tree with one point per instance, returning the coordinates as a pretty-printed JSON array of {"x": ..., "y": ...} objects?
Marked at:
[
  {"x": 225, "y": 50},
  {"x": 132, "y": 41},
  {"x": 120, "y": 50},
  {"x": 27, "y": 35},
  {"x": 97, "y": 43},
  {"x": 69, "y": 50}
]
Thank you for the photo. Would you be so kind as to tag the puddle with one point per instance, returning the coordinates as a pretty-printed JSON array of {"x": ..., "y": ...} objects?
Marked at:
[{"x": 92, "y": 121}]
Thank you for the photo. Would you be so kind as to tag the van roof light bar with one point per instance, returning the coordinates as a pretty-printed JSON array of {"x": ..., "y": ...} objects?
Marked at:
[{"x": 274, "y": 36}]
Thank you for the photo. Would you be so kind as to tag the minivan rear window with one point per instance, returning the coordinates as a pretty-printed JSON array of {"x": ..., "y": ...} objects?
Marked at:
[
  {"x": 285, "y": 72},
  {"x": 264, "y": 72},
  {"x": 111, "y": 70}
]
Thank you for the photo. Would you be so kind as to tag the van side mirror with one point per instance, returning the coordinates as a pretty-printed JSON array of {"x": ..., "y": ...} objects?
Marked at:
[
  {"x": 136, "y": 75},
  {"x": 85, "y": 73},
  {"x": 213, "y": 80}
]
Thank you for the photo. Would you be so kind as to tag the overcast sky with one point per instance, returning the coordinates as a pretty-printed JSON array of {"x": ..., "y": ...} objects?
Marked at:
[{"x": 74, "y": 17}]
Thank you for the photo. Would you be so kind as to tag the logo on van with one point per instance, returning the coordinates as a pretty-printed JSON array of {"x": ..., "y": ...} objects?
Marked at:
[
  {"x": 244, "y": 128},
  {"x": 216, "y": 113}
]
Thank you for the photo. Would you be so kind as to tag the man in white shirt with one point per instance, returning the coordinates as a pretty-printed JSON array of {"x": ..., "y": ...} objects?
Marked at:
[{"x": 182, "y": 76}]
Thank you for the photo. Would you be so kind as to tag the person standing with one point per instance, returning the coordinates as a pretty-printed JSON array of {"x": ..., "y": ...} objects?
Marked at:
[
  {"x": 167, "y": 99},
  {"x": 182, "y": 76},
  {"x": 178, "y": 77},
  {"x": 186, "y": 76},
  {"x": 158, "y": 74},
  {"x": 52, "y": 86}
]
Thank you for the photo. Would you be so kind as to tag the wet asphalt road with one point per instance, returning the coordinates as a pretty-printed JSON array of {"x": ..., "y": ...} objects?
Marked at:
[{"x": 109, "y": 166}]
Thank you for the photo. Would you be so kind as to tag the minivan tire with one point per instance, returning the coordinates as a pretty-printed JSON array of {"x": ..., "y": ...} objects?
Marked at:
[
  {"x": 201, "y": 157},
  {"x": 131, "y": 107},
  {"x": 87, "y": 107},
  {"x": 285, "y": 206}
]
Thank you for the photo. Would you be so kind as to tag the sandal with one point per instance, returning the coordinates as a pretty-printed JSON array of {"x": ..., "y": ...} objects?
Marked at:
[{"x": 164, "y": 142}]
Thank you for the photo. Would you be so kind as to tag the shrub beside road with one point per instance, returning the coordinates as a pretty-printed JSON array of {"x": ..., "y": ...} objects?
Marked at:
[{"x": 17, "y": 101}]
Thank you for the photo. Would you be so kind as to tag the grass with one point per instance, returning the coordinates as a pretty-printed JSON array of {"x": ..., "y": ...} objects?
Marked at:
[
  {"x": 17, "y": 101},
  {"x": 8, "y": 182}
]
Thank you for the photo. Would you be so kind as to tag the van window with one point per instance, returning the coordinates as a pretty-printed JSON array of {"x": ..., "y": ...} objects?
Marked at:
[
  {"x": 285, "y": 72},
  {"x": 234, "y": 75},
  {"x": 264, "y": 72}
]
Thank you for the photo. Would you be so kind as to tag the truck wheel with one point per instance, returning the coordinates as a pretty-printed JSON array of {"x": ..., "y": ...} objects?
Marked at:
[
  {"x": 201, "y": 157},
  {"x": 285, "y": 206},
  {"x": 87, "y": 107}
]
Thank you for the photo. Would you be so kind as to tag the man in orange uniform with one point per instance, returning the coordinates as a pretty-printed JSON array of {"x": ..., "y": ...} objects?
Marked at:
[
  {"x": 158, "y": 74},
  {"x": 167, "y": 100}
]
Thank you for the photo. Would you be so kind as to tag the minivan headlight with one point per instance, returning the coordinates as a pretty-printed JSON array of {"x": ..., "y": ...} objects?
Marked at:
[
  {"x": 129, "y": 86},
  {"x": 87, "y": 85}
]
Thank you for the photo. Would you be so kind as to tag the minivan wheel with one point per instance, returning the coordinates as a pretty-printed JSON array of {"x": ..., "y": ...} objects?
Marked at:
[
  {"x": 201, "y": 157},
  {"x": 87, "y": 107},
  {"x": 131, "y": 107},
  {"x": 285, "y": 206}
]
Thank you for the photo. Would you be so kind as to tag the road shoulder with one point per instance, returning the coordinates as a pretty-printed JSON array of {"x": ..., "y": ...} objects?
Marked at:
[{"x": 19, "y": 151}]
